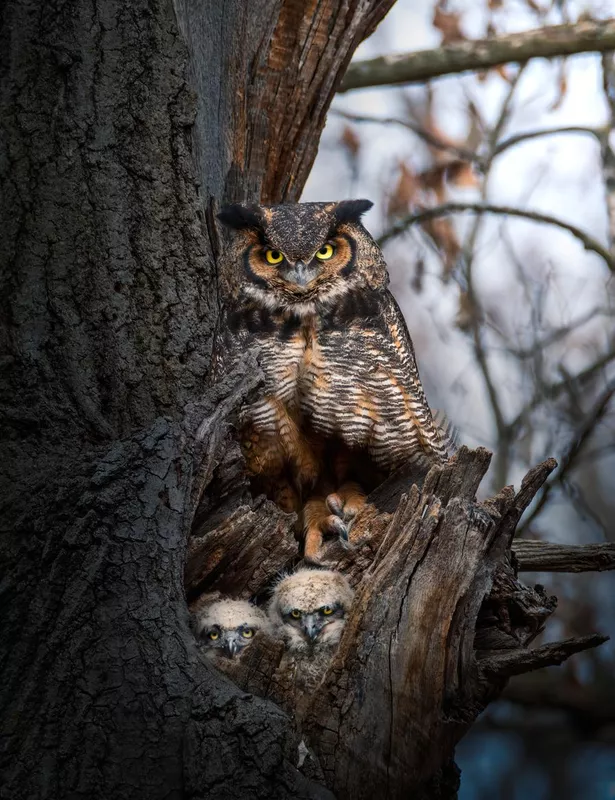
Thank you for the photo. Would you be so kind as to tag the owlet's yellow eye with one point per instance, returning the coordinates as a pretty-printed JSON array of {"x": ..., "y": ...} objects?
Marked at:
[
  {"x": 247, "y": 633},
  {"x": 295, "y": 613},
  {"x": 273, "y": 256},
  {"x": 325, "y": 252},
  {"x": 213, "y": 635},
  {"x": 327, "y": 610}
]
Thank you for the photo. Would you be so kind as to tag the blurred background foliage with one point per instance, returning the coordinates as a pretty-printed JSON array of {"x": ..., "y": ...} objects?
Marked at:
[{"x": 512, "y": 313}]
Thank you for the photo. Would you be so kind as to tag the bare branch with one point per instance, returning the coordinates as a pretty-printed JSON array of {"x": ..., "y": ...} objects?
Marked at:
[
  {"x": 553, "y": 336},
  {"x": 598, "y": 133},
  {"x": 469, "y": 251},
  {"x": 552, "y": 391},
  {"x": 558, "y": 40},
  {"x": 590, "y": 706},
  {"x": 568, "y": 459},
  {"x": 588, "y": 242},
  {"x": 549, "y": 655},
  {"x": 537, "y": 556}
]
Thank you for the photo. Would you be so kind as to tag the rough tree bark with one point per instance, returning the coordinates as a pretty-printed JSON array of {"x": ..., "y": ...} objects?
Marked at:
[{"x": 123, "y": 125}]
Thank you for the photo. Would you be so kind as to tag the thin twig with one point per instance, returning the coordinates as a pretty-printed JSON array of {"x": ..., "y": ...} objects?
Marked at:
[
  {"x": 568, "y": 459},
  {"x": 554, "y": 390},
  {"x": 469, "y": 249},
  {"x": 553, "y": 336},
  {"x": 511, "y": 141}
]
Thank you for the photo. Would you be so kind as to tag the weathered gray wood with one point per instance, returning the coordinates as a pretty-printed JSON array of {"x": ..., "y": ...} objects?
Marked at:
[
  {"x": 549, "y": 655},
  {"x": 406, "y": 676},
  {"x": 437, "y": 595},
  {"x": 538, "y": 556}
]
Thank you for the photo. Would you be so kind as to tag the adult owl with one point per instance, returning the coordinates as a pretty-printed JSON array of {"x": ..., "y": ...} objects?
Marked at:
[{"x": 343, "y": 405}]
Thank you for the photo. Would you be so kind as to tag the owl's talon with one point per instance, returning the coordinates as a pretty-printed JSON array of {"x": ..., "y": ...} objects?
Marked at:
[
  {"x": 334, "y": 525},
  {"x": 335, "y": 504},
  {"x": 347, "y": 502}
]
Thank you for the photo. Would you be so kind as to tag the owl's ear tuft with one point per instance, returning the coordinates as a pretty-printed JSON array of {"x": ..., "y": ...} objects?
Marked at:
[
  {"x": 240, "y": 217},
  {"x": 351, "y": 210}
]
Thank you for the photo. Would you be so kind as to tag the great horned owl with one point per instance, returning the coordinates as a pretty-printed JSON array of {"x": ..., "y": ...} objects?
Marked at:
[
  {"x": 343, "y": 404},
  {"x": 308, "y": 611},
  {"x": 227, "y": 626}
]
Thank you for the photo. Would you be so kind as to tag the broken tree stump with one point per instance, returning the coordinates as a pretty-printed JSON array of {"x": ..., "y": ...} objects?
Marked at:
[{"x": 439, "y": 623}]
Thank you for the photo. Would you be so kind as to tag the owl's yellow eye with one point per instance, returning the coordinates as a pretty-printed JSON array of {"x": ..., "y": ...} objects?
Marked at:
[
  {"x": 325, "y": 252},
  {"x": 295, "y": 613},
  {"x": 247, "y": 633},
  {"x": 213, "y": 635},
  {"x": 327, "y": 610},
  {"x": 273, "y": 256}
]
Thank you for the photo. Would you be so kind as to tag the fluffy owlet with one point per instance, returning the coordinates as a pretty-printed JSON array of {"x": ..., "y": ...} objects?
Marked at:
[
  {"x": 227, "y": 627},
  {"x": 342, "y": 405},
  {"x": 308, "y": 611}
]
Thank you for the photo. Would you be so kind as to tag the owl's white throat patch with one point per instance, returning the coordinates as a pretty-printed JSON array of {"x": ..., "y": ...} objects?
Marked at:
[{"x": 326, "y": 296}]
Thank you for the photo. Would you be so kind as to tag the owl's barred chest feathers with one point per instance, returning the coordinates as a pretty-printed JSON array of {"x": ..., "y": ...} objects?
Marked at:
[
  {"x": 339, "y": 369},
  {"x": 306, "y": 358}
]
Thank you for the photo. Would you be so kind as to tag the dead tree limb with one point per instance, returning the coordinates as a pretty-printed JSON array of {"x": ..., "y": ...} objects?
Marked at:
[
  {"x": 557, "y": 40},
  {"x": 549, "y": 655},
  {"x": 537, "y": 556}
]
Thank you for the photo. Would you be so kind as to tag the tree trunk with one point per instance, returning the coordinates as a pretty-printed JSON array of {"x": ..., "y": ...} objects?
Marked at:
[{"x": 122, "y": 125}]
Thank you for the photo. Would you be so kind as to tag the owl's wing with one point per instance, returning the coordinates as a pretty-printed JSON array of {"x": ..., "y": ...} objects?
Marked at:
[
  {"x": 371, "y": 395},
  {"x": 402, "y": 367},
  {"x": 231, "y": 340}
]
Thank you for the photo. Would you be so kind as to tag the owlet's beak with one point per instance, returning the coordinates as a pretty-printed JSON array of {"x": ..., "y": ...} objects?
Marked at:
[
  {"x": 231, "y": 645},
  {"x": 311, "y": 626}
]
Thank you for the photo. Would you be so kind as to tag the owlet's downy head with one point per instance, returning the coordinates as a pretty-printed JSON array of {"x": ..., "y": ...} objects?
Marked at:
[
  {"x": 309, "y": 608},
  {"x": 227, "y": 627}
]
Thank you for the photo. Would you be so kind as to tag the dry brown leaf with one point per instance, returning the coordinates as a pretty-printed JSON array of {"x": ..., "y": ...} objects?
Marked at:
[
  {"x": 432, "y": 179},
  {"x": 503, "y": 72},
  {"x": 494, "y": 4},
  {"x": 500, "y": 69},
  {"x": 461, "y": 173},
  {"x": 448, "y": 23},
  {"x": 476, "y": 134},
  {"x": 350, "y": 141},
  {"x": 562, "y": 88},
  {"x": 405, "y": 192},
  {"x": 442, "y": 233},
  {"x": 465, "y": 313}
]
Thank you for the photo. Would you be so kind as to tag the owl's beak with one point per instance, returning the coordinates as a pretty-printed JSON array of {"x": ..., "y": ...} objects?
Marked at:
[
  {"x": 301, "y": 274},
  {"x": 311, "y": 626},
  {"x": 232, "y": 647}
]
